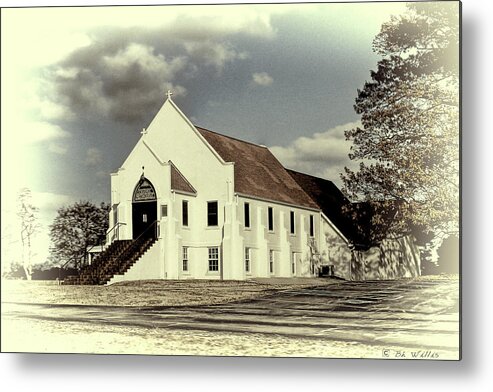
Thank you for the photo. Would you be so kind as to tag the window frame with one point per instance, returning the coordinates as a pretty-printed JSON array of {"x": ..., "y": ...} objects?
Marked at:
[
  {"x": 270, "y": 219},
  {"x": 185, "y": 260},
  {"x": 209, "y": 214},
  {"x": 164, "y": 207},
  {"x": 213, "y": 260},
  {"x": 292, "y": 223},
  {"x": 271, "y": 261},
  {"x": 312, "y": 226},
  {"x": 246, "y": 215},
  {"x": 248, "y": 260},
  {"x": 184, "y": 213},
  {"x": 115, "y": 214}
]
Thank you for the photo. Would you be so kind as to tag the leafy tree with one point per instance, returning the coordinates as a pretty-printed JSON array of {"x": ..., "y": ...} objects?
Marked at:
[
  {"x": 76, "y": 228},
  {"x": 28, "y": 215},
  {"x": 408, "y": 145}
]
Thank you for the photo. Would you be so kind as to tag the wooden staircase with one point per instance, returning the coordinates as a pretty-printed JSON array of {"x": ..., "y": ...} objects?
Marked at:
[{"x": 115, "y": 260}]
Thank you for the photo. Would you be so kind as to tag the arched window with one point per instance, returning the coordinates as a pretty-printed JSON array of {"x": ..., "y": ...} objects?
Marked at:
[{"x": 144, "y": 191}]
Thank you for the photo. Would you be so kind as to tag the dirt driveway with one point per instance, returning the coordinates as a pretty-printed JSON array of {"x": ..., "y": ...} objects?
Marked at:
[{"x": 407, "y": 319}]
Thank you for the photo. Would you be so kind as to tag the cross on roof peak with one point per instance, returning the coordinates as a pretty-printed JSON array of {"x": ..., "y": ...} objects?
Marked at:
[{"x": 169, "y": 94}]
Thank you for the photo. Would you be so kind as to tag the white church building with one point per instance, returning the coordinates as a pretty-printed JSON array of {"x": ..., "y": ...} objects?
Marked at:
[{"x": 216, "y": 207}]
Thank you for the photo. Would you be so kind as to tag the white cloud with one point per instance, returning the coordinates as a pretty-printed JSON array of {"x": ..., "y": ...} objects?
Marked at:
[
  {"x": 57, "y": 148},
  {"x": 50, "y": 110},
  {"x": 121, "y": 71},
  {"x": 262, "y": 79},
  {"x": 216, "y": 54},
  {"x": 227, "y": 20},
  {"x": 145, "y": 57},
  {"x": 323, "y": 154},
  {"x": 38, "y": 131},
  {"x": 94, "y": 156},
  {"x": 48, "y": 201},
  {"x": 122, "y": 83}
]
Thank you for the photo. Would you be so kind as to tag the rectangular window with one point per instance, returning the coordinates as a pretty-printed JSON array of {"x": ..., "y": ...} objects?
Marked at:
[
  {"x": 271, "y": 261},
  {"x": 185, "y": 259},
  {"x": 293, "y": 263},
  {"x": 247, "y": 259},
  {"x": 311, "y": 226},
  {"x": 184, "y": 212},
  {"x": 144, "y": 218},
  {"x": 116, "y": 232},
  {"x": 164, "y": 211},
  {"x": 212, "y": 213},
  {"x": 213, "y": 259},
  {"x": 270, "y": 218},
  {"x": 291, "y": 222},
  {"x": 115, "y": 214},
  {"x": 247, "y": 214}
]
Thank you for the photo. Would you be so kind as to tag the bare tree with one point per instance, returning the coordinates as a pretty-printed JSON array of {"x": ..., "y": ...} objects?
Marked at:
[{"x": 28, "y": 215}]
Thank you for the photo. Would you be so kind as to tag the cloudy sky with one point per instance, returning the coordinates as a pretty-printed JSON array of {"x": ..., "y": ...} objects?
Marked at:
[{"x": 79, "y": 84}]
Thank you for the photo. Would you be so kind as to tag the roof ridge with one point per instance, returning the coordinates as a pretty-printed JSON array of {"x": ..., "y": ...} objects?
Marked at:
[
  {"x": 329, "y": 182},
  {"x": 231, "y": 137},
  {"x": 310, "y": 175}
]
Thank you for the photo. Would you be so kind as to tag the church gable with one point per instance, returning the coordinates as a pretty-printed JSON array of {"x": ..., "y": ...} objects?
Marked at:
[
  {"x": 170, "y": 130},
  {"x": 172, "y": 140}
]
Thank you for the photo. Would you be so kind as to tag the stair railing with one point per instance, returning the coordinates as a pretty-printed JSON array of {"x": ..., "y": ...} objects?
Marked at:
[
  {"x": 99, "y": 266},
  {"x": 82, "y": 268},
  {"x": 97, "y": 276},
  {"x": 116, "y": 229},
  {"x": 137, "y": 243},
  {"x": 71, "y": 260},
  {"x": 87, "y": 252}
]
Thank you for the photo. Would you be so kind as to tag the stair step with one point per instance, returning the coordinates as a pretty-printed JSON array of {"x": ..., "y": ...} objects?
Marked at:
[{"x": 117, "y": 259}]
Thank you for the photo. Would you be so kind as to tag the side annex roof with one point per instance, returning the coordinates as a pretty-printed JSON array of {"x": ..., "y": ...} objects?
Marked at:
[
  {"x": 354, "y": 220},
  {"x": 330, "y": 200},
  {"x": 179, "y": 182}
]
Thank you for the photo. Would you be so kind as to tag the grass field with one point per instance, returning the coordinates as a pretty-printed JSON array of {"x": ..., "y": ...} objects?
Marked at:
[
  {"x": 402, "y": 319},
  {"x": 150, "y": 292}
]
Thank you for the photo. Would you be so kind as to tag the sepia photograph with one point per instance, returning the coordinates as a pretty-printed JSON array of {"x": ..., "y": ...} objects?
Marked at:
[{"x": 232, "y": 180}]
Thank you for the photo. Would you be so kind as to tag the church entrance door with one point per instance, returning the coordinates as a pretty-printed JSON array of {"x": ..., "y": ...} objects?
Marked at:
[
  {"x": 143, "y": 216},
  {"x": 144, "y": 209}
]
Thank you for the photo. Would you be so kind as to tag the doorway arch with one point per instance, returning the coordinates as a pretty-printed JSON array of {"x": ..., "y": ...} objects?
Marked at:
[{"x": 144, "y": 209}]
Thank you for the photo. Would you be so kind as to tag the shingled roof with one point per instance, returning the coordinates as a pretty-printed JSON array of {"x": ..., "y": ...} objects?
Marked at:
[
  {"x": 330, "y": 200},
  {"x": 354, "y": 220},
  {"x": 179, "y": 182},
  {"x": 257, "y": 172}
]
